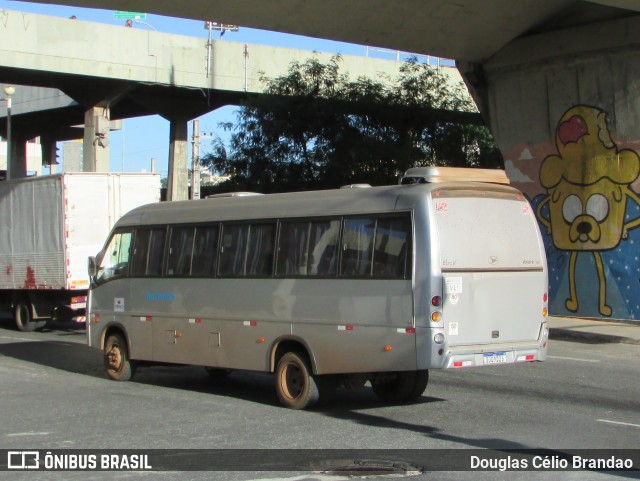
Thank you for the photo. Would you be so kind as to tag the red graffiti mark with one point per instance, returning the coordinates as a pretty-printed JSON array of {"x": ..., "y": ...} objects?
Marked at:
[
  {"x": 572, "y": 130},
  {"x": 8, "y": 270},
  {"x": 30, "y": 281}
]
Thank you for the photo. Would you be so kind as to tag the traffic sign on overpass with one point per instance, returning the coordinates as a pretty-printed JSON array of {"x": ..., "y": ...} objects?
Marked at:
[{"x": 122, "y": 15}]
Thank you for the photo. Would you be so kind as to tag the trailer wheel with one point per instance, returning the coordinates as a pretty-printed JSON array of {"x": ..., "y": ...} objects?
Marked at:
[
  {"x": 295, "y": 386},
  {"x": 24, "y": 319},
  {"x": 116, "y": 359},
  {"x": 406, "y": 387}
]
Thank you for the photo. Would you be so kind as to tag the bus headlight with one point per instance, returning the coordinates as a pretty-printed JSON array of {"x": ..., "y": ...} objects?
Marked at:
[{"x": 439, "y": 338}]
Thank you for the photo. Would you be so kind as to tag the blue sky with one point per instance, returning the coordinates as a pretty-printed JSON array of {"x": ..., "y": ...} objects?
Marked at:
[{"x": 145, "y": 138}]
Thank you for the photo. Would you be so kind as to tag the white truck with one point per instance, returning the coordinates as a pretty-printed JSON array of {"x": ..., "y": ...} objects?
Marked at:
[{"x": 49, "y": 226}]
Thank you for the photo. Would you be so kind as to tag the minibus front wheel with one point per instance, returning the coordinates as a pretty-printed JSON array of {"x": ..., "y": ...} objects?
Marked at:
[{"x": 116, "y": 358}]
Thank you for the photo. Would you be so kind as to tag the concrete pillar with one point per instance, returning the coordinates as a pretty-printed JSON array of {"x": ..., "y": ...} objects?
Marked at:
[
  {"x": 18, "y": 156},
  {"x": 177, "y": 182},
  {"x": 564, "y": 107},
  {"x": 95, "y": 148}
]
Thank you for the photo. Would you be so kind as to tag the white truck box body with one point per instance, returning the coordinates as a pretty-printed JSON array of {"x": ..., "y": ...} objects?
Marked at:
[{"x": 50, "y": 225}]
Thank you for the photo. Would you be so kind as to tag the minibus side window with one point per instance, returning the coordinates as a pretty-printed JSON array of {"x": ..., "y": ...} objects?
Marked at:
[
  {"x": 233, "y": 249},
  {"x": 392, "y": 252},
  {"x": 260, "y": 251},
  {"x": 308, "y": 248},
  {"x": 357, "y": 247},
  {"x": 205, "y": 248},
  {"x": 148, "y": 248},
  {"x": 376, "y": 247},
  {"x": 292, "y": 248},
  {"x": 323, "y": 248},
  {"x": 180, "y": 251}
]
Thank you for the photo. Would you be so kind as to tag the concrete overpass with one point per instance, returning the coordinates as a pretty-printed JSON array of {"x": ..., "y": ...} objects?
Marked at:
[
  {"x": 469, "y": 30},
  {"x": 559, "y": 84},
  {"x": 111, "y": 72}
]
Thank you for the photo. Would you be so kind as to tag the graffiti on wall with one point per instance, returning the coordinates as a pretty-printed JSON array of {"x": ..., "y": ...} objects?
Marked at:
[{"x": 589, "y": 210}]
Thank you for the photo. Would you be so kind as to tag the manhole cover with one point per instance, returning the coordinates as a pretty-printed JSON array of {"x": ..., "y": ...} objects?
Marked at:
[{"x": 375, "y": 468}]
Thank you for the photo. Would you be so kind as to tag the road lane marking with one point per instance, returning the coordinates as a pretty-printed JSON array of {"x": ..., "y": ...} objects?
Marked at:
[
  {"x": 618, "y": 423},
  {"x": 22, "y": 339},
  {"x": 28, "y": 434},
  {"x": 573, "y": 359}
]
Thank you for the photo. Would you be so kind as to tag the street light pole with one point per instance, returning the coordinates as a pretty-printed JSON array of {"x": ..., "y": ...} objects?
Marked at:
[{"x": 9, "y": 90}]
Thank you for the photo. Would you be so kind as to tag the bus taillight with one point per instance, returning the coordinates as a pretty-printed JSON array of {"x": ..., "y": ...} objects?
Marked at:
[{"x": 528, "y": 357}]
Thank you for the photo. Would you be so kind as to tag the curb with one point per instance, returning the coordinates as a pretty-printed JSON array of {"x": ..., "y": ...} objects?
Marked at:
[{"x": 560, "y": 334}]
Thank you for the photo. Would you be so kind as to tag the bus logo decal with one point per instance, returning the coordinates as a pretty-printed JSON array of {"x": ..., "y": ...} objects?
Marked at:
[{"x": 160, "y": 296}]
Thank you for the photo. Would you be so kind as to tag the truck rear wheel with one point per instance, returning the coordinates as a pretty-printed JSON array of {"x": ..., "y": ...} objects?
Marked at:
[
  {"x": 116, "y": 359},
  {"x": 407, "y": 386},
  {"x": 22, "y": 313},
  {"x": 295, "y": 386}
]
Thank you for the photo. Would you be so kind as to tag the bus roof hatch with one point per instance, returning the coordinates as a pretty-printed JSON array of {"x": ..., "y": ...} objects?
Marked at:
[{"x": 423, "y": 175}]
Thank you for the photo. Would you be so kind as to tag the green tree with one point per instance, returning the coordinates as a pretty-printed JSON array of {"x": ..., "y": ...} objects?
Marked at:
[{"x": 316, "y": 129}]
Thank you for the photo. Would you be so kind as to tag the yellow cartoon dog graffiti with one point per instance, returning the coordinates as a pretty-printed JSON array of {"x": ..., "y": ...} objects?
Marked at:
[{"x": 588, "y": 184}]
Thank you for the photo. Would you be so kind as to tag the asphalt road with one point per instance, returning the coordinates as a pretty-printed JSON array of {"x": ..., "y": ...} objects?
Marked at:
[{"x": 56, "y": 396}]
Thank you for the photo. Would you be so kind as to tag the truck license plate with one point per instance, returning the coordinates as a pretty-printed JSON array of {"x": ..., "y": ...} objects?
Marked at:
[{"x": 495, "y": 358}]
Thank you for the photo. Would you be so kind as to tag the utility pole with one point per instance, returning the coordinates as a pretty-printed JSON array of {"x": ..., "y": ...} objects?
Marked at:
[{"x": 195, "y": 164}]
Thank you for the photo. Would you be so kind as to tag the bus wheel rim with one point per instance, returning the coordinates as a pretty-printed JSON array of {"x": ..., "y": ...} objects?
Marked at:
[
  {"x": 114, "y": 358},
  {"x": 294, "y": 381}
]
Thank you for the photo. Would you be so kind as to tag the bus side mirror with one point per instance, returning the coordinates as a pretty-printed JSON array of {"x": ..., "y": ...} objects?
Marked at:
[{"x": 91, "y": 267}]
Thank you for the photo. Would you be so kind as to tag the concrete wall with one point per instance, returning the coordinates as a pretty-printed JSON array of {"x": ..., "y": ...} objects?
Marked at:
[{"x": 565, "y": 108}]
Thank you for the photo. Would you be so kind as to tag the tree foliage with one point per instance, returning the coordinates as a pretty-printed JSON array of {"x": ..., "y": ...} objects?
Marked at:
[{"x": 316, "y": 129}]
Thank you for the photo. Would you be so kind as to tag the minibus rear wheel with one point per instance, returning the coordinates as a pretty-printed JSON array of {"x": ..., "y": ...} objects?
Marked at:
[
  {"x": 116, "y": 359},
  {"x": 407, "y": 386},
  {"x": 295, "y": 385}
]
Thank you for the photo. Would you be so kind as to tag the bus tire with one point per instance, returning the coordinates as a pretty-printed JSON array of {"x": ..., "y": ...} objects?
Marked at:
[
  {"x": 406, "y": 387},
  {"x": 116, "y": 359},
  {"x": 295, "y": 385},
  {"x": 22, "y": 314}
]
